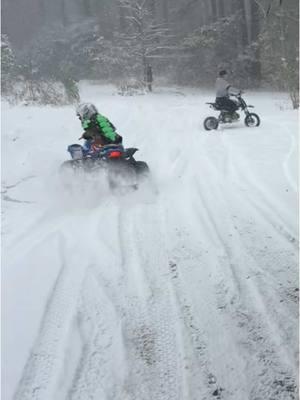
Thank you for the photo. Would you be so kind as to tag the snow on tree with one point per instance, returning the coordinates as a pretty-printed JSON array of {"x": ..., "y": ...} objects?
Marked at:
[
  {"x": 116, "y": 40},
  {"x": 142, "y": 38},
  {"x": 9, "y": 67},
  {"x": 280, "y": 50}
]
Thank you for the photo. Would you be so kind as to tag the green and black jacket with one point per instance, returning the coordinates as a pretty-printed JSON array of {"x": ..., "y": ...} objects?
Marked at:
[{"x": 100, "y": 128}]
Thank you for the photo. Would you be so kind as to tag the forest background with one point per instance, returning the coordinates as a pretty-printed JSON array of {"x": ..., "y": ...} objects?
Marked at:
[{"x": 47, "y": 47}]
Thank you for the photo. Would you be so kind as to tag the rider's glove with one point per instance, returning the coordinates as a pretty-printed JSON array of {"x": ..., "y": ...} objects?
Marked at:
[{"x": 86, "y": 136}]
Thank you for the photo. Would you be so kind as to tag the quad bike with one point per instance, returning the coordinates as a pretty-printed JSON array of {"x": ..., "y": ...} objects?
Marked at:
[
  {"x": 225, "y": 117},
  {"x": 117, "y": 162}
]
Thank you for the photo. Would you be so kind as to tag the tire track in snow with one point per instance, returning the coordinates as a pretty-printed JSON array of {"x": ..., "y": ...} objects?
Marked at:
[
  {"x": 131, "y": 322},
  {"x": 231, "y": 207},
  {"x": 99, "y": 371},
  {"x": 292, "y": 149},
  {"x": 200, "y": 381},
  {"x": 270, "y": 209},
  {"x": 288, "y": 175},
  {"x": 238, "y": 263},
  {"x": 194, "y": 279},
  {"x": 250, "y": 311},
  {"x": 151, "y": 343},
  {"x": 41, "y": 373},
  {"x": 36, "y": 233}
]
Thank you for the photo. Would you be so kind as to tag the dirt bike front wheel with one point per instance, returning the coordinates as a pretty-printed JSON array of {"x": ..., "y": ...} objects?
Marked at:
[
  {"x": 252, "y": 120},
  {"x": 210, "y": 123}
]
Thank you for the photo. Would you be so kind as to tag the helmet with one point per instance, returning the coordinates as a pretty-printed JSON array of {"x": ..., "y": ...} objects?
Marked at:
[{"x": 86, "y": 111}]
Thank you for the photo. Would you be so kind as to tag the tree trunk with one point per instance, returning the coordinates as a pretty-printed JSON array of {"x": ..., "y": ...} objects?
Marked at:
[
  {"x": 238, "y": 6},
  {"x": 152, "y": 8},
  {"x": 220, "y": 9},
  {"x": 166, "y": 11},
  {"x": 42, "y": 11},
  {"x": 214, "y": 10},
  {"x": 86, "y": 6},
  {"x": 63, "y": 13},
  {"x": 254, "y": 35},
  {"x": 122, "y": 21},
  {"x": 206, "y": 12}
]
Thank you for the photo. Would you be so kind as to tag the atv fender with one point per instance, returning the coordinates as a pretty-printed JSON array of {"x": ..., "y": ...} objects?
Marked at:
[{"x": 130, "y": 152}]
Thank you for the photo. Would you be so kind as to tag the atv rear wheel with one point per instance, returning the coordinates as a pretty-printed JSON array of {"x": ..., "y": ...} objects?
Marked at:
[
  {"x": 72, "y": 165},
  {"x": 67, "y": 165},
  {"x": 141, "y": 168},
  {"x": 121, "y": 175},
  {"x": 210, "y": 123}
]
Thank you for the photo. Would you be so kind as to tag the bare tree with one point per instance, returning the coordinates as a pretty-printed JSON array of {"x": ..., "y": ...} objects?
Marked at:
[
  {"x": 256, "y": 39},
  {"x": 165, "y": 10},
  {"x": 144, "y": 39},
  {"x": 87, "y": 9},
  {"x": 220, "y": 8}
]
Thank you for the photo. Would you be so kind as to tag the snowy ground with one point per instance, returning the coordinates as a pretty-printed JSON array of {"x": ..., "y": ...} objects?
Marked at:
[{"x": 184, "y": 290}]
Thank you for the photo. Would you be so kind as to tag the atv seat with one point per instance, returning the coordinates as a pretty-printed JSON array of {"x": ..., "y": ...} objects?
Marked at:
[
  {"x": 108, "y": 148},
  {"x": 112, "y": 146}
]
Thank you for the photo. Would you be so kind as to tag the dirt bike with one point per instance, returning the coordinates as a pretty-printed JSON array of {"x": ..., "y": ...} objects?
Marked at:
[
  {"x": 225, "y": 117},
  {"x": 117, "y": 162}
]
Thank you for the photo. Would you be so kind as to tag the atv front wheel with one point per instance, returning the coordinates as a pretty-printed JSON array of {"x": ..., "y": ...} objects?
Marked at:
[
  {"x": 252, "y": 120},
  {"x": 72, "y": 165},
  {"x": 210, "y": 123}
]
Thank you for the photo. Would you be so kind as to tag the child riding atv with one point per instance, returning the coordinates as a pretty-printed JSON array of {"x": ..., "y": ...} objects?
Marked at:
[{"x": 98, "y": 130}]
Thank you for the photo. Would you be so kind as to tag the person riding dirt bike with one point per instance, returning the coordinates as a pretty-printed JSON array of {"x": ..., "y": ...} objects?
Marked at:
[
  {"x": 98, "y": 130},
  {"x": 223, "y": 91}
]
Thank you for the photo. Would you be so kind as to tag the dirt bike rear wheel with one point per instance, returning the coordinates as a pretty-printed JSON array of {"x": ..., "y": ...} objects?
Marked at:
[
  {"x": 252, "y": 120},
  {"x": 210, "y": 123}
]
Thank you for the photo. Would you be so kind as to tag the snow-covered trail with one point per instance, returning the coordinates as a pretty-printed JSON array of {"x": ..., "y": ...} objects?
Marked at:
[{"x": 183, "y": 290}]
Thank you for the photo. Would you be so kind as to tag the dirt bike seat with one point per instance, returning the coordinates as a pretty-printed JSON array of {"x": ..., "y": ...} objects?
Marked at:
[{"x": 215, "y": 106}]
